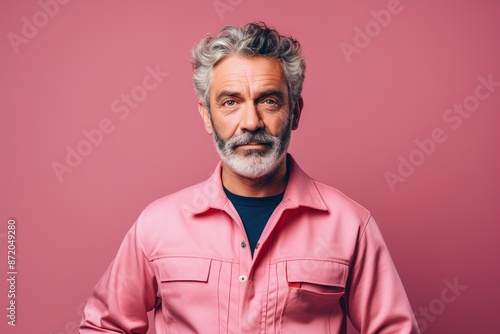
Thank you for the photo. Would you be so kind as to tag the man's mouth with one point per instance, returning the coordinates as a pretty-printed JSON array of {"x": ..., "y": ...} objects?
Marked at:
[{"x": 253, "y": 144}]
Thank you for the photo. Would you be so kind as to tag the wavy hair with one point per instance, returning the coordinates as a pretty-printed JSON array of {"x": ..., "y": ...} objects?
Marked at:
[{"x": 253, "y": 39}]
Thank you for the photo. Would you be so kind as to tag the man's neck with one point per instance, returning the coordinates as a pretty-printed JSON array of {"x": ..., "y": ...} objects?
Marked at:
[{"x": 267, "y": 185}]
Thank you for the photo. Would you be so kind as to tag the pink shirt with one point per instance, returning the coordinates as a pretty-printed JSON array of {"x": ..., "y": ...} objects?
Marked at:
[{"x": 320, "y": 258}]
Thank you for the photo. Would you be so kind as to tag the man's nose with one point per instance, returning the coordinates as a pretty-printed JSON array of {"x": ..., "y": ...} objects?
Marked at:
[{"x": 250, "y": 118}]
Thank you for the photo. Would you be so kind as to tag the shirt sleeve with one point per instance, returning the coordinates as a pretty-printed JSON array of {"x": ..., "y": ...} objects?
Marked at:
[
  {"x": 376, "y": 299},
  {"x": 127, "y": 291}
]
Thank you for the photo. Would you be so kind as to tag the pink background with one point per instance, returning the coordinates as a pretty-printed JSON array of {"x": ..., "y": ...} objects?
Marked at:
[{"x": 441, "y": 223}]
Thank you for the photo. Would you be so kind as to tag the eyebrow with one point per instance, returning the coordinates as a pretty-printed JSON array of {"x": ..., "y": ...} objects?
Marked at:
[
  {"x": 271, "y": 92},
  {"x": 226, "y": 93}
]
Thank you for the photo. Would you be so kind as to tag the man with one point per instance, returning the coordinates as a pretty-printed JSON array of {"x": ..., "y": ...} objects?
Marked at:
[{"x": 259, "y": 247}]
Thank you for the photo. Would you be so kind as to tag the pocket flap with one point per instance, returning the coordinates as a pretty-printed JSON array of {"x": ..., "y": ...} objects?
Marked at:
[
  {"x": 184, "y": 269},
  {"x": 322, "y": 272}
]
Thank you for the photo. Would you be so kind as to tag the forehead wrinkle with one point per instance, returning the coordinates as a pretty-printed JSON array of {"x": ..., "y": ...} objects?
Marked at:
[
  {"x": 241, "y": 75},
  {"x": 253, "y": 88}
]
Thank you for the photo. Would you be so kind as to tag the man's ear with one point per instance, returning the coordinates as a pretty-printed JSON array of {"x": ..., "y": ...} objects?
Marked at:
[
  {"x": 297, "y": 111},
  {"x": 206, "y": 117}
]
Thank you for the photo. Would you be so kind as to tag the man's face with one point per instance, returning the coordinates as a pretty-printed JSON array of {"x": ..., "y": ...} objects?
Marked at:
[{"x": 250, "y": 118}]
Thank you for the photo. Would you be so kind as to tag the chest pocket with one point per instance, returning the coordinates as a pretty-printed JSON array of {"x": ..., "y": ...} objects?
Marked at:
[
  {"x": 315, "y": 289},
  {"x": 174, "y": 269},
  {"x": 194, "y": 292}
]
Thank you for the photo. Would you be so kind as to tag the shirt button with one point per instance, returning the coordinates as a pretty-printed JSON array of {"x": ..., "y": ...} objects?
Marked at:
[
  {"x": 257, "y": 245},
  {"x": 243, "y": 244},
  {"x": 243, "y": 278}
]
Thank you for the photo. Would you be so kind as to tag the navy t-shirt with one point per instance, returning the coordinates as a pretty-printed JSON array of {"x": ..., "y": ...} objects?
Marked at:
[{"x": 254, "y": 213}]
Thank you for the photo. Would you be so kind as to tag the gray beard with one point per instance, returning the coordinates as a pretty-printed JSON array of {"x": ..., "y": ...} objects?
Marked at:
[{"x": 254, "y": 163}]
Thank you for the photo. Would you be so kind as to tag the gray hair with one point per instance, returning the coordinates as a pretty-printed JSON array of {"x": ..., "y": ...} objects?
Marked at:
[{"x": 253, "y": 39}]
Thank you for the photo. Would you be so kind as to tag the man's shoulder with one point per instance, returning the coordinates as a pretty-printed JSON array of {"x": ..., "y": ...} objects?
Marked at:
[
  {"x": 323, "y": 196},
  {"x": 337, "y": 201},
  {"x": 185, "y": 199}
]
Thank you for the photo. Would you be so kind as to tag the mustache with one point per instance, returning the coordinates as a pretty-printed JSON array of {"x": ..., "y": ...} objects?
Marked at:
[{"x": 251, "y": 138}]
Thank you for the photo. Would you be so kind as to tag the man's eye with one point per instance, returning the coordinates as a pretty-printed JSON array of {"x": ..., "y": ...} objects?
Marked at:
[
  {"x": 229, "y": 103},
  {"x": 270, "y": 101},
  {"x": 271, "y": 104}
]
